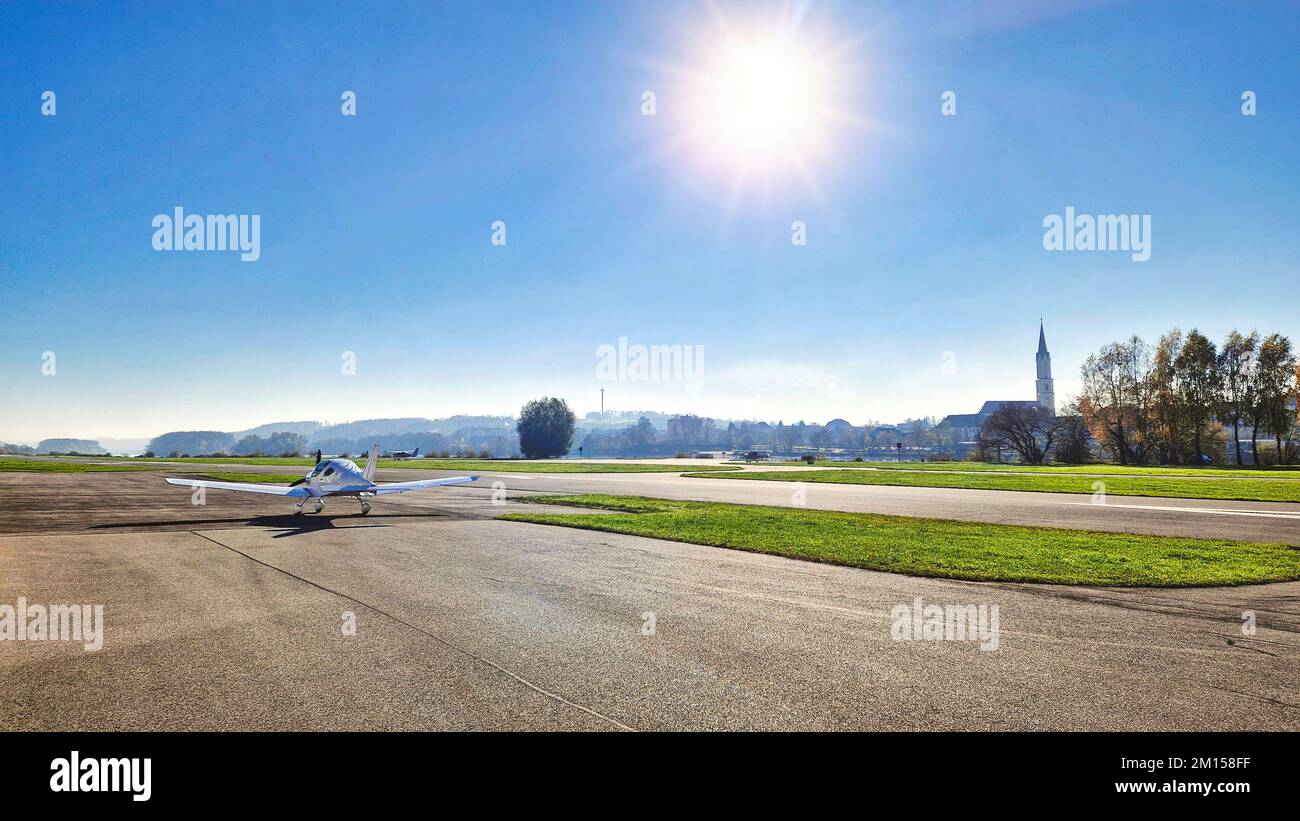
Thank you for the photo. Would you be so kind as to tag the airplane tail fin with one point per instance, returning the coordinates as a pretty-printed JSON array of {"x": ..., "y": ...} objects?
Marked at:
[
  {"x": 371, "y": 464},
  {"x": 415, "y": 453}
]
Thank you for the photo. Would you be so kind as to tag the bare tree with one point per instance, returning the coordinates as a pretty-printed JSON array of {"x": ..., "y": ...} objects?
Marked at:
[
  {"x": 1116, "y": 399},
  {"x": 1293, "y": 430},
  {"x": 1236, "y": 364},
  {"x": 1166, "y": 403},
  {"x": 1073, "y": 441},
  {"x": 1027, "y": 429},
  {"x": 1275, "y": 387}
]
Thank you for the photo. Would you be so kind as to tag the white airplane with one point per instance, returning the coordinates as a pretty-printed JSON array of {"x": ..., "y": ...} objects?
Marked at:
[
  {"x": 402, "y": 454},
  {"x": 331, "y": 477}
]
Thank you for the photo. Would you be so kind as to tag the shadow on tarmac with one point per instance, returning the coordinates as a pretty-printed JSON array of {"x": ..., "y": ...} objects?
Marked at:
[{"x": 287, "y": 524}]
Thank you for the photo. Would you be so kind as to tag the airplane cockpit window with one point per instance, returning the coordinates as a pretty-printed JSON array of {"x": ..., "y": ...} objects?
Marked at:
[{"x": 321, "y": 469}]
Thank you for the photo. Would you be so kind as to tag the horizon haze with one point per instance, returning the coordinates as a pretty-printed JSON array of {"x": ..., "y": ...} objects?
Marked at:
[{"x": 841, "y": 206}]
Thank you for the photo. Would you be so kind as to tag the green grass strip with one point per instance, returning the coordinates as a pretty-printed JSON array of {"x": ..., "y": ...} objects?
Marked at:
[
  {"x": 467, "y": 465},
  {"x": 1256, "y": 490},
  {"x": 1288, "y": 472},
  {"x": 933, "y": 547},
  {"x": 38, "y": 466},
  {"x": 258, "y": 478}
]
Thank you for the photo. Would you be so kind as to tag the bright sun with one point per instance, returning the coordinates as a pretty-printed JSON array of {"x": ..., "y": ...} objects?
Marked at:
[{"x": 763, "y": 101}]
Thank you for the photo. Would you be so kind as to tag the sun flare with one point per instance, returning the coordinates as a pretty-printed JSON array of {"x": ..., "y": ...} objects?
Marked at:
[{"x": 763, "y": 101}]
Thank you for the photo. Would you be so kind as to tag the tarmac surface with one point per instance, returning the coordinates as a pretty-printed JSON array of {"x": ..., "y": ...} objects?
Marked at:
[
  {"x": 1202, "y": 518},
  {"x": 232, "y": 615}
]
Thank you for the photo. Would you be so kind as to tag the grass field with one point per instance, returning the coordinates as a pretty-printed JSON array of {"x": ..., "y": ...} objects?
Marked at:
[
  {"x": 479, "y": 465},
  {"x": 546, "y": 466},
  {"x": 35, "y": 466},
  {"x": 934, "y": 547},
  {"x": 1256, "y": 490},
  {"x": 1291, "y": 472},
  {"x": 260, "y": 478}
]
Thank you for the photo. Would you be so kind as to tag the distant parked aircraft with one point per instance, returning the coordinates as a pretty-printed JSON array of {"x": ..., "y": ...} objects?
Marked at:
[
  {"x": 331, "y": 477},
  {"x": 402, "y": 454}
]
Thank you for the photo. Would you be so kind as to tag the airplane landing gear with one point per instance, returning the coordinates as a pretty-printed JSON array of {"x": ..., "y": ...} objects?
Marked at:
[
  {"x": 365, "y": 507},
  {"x": 320, "y": 505}
]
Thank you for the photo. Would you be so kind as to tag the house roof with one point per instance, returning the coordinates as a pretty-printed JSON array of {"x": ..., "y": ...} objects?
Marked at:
[
  {"x": 995, "y": 405},
  {"x": 975, "y": 420}
]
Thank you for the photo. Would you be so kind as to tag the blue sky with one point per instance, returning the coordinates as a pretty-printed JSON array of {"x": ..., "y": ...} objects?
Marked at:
[{"x": 924, "y": 231}]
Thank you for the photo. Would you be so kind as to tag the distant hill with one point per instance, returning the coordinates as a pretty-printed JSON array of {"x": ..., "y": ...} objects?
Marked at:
[
  {"x": 621, "y": 419},
  {"x": 455, "y": 434},
  {"x": 301, "y": 428},
  {"x": 191, "y": 443},
  {"x": 615, "y": 433},
  {"x": 373, "y": 427},
  {"x": 69, "y": 446},
  {"x": 462, "y": 421}
]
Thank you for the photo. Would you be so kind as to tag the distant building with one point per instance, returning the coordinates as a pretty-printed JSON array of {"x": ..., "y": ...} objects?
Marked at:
[{"x": 965, "y": 427}]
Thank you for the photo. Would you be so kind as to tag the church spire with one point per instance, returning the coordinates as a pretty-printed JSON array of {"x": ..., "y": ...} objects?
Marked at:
[{"x": 1044, "y": 387}]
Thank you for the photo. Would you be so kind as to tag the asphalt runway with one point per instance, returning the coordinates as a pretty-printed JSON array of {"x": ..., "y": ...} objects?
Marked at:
[
  {"x": 1245, "y": 521},
  {"x": 230, "y": 616},
  {"x": 1203, "y": 518}
]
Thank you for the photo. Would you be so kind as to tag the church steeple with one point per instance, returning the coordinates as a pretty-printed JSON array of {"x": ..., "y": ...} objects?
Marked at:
[{"x": 1044, "y": 386}]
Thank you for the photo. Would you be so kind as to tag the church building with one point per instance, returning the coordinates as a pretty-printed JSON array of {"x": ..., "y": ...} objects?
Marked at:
[{"x": 966, "y": 426}]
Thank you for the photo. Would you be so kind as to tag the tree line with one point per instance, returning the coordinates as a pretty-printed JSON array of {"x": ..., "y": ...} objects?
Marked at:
[
  {"x": 691, "y": 432},
  {"x": 1179, "y": 401},
  {"x": 1183, "y": 401}
]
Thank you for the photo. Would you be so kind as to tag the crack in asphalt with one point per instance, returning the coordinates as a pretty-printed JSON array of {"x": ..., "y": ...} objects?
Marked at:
[{"x": 505, "y": 671}]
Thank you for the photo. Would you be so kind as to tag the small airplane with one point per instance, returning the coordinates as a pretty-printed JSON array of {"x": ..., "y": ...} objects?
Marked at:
[
  {"x": 401, "y": 454},
  {"x": 332, "y": 477}
]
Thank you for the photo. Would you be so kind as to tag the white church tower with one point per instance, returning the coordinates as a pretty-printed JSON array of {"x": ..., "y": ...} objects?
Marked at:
[{"x": 1043, "y": 385}]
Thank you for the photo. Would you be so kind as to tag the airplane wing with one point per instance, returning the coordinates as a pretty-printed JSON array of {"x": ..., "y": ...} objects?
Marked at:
[
  {"x": 422, "y": 484},
  {"x": 246, "y": 487}
]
